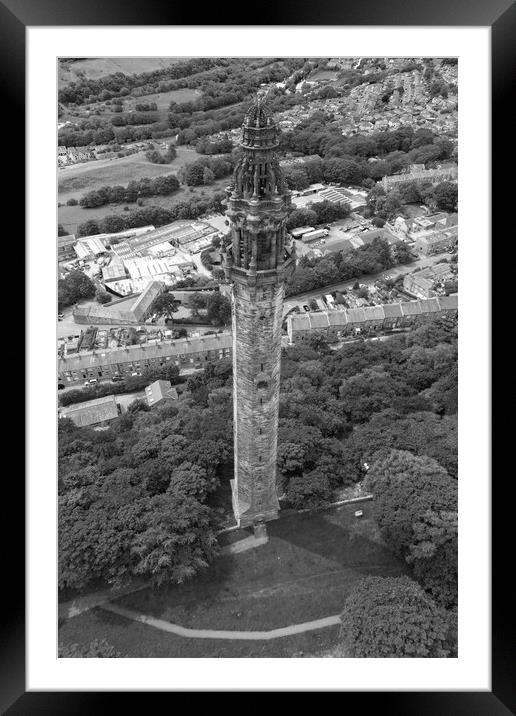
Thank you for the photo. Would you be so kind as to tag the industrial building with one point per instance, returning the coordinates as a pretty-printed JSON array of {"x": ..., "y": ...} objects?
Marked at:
[
  {"x": 114, "y": 271},
  {"x": 65, "y": 246},
  {"x": 189, "y": 235},
  {"x": 89, "y": 246},
  {"x": 124, "y": 311},
  {"x": 92, "y": 412}
]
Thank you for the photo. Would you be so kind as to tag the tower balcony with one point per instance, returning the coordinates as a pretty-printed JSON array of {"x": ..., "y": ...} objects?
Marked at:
[{"x": 283, "y": 271}]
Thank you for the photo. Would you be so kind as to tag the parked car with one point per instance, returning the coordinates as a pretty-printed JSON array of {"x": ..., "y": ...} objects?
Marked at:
[
  {"x": 116, "y": 378},
  {"x": 91, "y": 381}
]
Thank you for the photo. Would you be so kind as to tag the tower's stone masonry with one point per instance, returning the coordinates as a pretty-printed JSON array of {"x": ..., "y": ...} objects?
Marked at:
[{"x": 257, "y": 263}]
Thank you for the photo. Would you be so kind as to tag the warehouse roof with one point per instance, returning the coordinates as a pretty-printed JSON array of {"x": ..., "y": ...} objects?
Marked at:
[{"x": 92, "y": 411}]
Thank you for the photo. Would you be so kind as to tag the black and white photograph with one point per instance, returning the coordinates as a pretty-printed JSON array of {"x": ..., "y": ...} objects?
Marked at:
[
  {"x": 257, "y": 338},
  {"x": 258, "y": 401}
]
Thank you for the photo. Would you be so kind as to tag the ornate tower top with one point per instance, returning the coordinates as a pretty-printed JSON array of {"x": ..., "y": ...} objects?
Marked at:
[
  {"x": 258, "y": 203},
  {"x": 257, "y": 175},
  {"x": 260, "y": 131}
]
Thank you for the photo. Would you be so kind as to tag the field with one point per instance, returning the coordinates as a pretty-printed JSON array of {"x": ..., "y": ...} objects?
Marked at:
[
  {"x": 96, "y": 67},
  {"x": 77, "y": 179},
  {"x": 303, "y": 573},
  {"x": 71, "y": 216},
  {"x": 323, "y": 75},
  {"x": 163, "y": 99}
]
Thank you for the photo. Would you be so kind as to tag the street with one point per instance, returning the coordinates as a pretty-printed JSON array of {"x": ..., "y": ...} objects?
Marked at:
[{"x": 394, "y": 272}]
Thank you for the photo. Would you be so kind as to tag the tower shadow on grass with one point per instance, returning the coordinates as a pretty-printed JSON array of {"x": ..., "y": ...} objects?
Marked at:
[{"x": 349, "y": 542}]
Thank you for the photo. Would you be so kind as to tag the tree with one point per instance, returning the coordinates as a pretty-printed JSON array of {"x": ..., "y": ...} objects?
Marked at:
[
  {"x": 102, "y": 296},
  {"x": 301, "y": 217},
  {"x": 446, "y": 196},
  {"x": 401, "y": 253},
  {"x": 310, "y": 489},
  {"x": 218, "y": 309},
  {"x": 113, "y": 531},
  {"x": 433, "y": 555},
  {"x": 369, "y": 392},
  {"x": 138, "y": 405},
  {"x": 190, "y": 479},
  {"x": 171, "y": 153},
  {"x": 193, "y": 174},
  {"x": 405, "y": 488},
  {"x": 296, "y": 178},
  {"x": 88, "y": 228},
  {"x": 291, "y": 458},
  {"x": 74, "y": 287},
  {"x": 392, "y": 617},
  {"x": 208, "y": 176},
  {"x": 422, "y": 433},
  {"x": 328, "y": 211},
  {"x": 197, "y": 302},
  {"x": 165, "y": 305},
  {"x": 177, "y": 540},
  {"x": 155, "y": 157}
]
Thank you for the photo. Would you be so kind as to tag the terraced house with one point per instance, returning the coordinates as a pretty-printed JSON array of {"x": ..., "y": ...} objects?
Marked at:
[{"x": 109, "y": 363}]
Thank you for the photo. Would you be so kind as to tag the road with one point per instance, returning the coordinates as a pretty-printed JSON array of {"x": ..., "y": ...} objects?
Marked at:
[
  {"x": 68, "y": 327},
  {"x": 395, "y": 271}
]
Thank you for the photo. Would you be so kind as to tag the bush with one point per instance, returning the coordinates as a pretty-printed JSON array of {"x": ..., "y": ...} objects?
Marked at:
[
  {"x": 392, "y": 617},
  {"x": 72, "y": 202}
]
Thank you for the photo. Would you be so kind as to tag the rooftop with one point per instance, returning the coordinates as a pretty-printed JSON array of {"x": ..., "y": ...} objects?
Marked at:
[
  {"x": 323, "y": 319},
  {"x": 159, "y": 390},
  {"x": 147, "y": 351},
  {"x": 92, "y": 411}
]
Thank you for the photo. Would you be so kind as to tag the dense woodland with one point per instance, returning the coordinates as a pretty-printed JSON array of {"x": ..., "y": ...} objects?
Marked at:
[{"x": 134, "y": 498}]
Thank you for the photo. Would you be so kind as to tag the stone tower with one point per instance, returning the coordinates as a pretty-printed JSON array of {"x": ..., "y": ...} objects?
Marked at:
[{"x": 257, "y": 262}]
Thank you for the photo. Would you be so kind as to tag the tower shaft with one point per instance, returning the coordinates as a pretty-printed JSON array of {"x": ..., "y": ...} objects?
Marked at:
[{"x": 257, "y": 263}]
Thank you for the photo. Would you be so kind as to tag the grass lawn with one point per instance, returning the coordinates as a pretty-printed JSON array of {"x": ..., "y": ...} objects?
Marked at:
[
  {"x": 96, "y": 67},
  {"x": 133, "y": 639},
  {"x": 73, "y": 181},
  {"x": 71, "y": 216},
  {"x": 304, "y": 572},
  {"x": 163, "y": 99}
]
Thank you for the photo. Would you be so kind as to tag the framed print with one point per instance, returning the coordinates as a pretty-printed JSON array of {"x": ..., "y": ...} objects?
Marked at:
[{"x": 262, "y": 354}]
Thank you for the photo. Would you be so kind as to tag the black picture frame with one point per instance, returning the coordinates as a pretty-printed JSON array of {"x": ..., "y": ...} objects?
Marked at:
[{"x": 500, "y": 15}]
